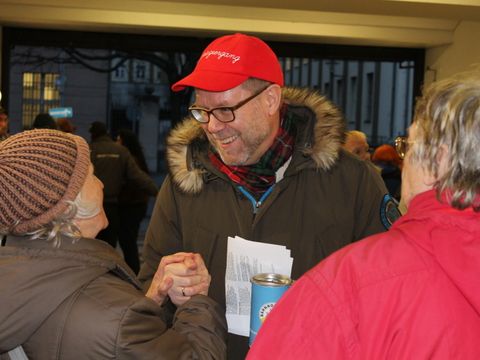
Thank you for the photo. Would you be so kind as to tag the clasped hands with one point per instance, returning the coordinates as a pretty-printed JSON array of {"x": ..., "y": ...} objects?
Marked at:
[{"x": 179, "y": 276}]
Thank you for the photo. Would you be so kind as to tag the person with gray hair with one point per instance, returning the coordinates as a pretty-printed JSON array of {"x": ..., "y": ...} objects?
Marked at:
[
  {"x": 356, "y": 143},
  {"x": 410, "y": 293},
  {"x": 65, "y": 295}
]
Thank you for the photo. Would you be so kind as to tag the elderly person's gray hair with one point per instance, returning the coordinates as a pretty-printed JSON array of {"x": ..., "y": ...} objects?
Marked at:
[
  {"x": 64, "y": 226},
  {"x": 448, "y": 115}
]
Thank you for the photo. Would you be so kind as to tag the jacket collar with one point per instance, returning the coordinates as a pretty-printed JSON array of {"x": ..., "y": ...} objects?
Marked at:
[
  {"x": 40, "y": 278},
  {"x": 92, "y": 252},
  {"x": 320, "y": 134}
]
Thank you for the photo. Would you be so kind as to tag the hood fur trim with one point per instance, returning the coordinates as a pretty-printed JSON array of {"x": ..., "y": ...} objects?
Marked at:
[
  {"x": 186, "y": 176},
  {"x": 329, "y": 129},
  {"x": 329, "y": 133}
]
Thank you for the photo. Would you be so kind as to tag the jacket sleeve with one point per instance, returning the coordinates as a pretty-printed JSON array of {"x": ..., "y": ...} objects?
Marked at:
[
  {"x": 198, "y": 332},
  {"x": 369, "y": 201},
  {"x": 138, "y": 176}
]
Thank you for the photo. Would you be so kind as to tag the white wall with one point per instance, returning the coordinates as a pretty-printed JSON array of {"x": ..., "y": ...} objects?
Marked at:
[{"x": 457, "y": 57}]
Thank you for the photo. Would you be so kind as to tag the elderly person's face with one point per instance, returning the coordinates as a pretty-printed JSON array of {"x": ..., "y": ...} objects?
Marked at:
[
  {"x": 92, "y": 192},
  {"x": 244, "y": 140},
  {"x": 3, "y": 124}
]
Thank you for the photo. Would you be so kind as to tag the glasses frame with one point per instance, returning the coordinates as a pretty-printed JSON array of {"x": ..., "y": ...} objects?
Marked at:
[
  {"x": 231, "y": 108},
  {"x": 401, "y": 146}
]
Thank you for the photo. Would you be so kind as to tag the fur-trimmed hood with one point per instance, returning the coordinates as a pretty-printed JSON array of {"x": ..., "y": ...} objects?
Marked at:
[{"x": 323, "y": 147}]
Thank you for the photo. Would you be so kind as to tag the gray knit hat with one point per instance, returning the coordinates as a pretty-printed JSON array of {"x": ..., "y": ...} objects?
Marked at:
[{"x": 40, "y": 171}]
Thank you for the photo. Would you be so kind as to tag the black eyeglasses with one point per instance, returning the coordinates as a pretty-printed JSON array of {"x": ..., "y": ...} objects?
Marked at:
[{"x": 224, "y": 114}]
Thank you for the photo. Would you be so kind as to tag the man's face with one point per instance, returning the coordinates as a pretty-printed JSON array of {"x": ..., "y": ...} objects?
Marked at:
[
  {"x": 3, "y": 124},
  {"x": 244, "y": 140}
]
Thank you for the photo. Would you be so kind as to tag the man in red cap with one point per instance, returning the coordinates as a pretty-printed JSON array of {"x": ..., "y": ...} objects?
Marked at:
[{"x": 259, "y": 161}]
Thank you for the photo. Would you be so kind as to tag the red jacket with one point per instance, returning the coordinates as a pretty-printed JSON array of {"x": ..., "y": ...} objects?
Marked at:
[{"x": 410, "y": 293}]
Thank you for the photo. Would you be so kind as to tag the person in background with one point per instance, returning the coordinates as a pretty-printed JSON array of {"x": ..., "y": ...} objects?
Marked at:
[
  {"x": 356, "y": 143},
  {"x": 114, "y": 166},
  {"x": 3, "y": 124},
  {"x": 387, "y": 159},
  {"x": 259, "y": 161},
  {"x": 132, "y": 201},
  {"x": 65, "y": 125},
  {"x": 44, "y": 121},
  {"x": 412, "y": 292},
  {"x": 65, "y": 295}
]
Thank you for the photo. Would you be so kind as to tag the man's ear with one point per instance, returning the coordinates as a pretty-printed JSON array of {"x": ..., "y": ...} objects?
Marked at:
[{"x": 273, "y": 98}]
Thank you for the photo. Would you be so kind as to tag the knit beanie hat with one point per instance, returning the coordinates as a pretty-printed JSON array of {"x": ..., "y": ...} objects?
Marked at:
[{"x": 40, "y": 171}]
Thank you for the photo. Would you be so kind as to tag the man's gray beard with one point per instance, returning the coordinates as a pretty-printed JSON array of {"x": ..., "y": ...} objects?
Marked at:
[{"x": 238, "y": 163}]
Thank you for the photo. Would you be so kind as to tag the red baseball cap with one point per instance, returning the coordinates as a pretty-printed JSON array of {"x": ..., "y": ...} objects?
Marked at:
[{"x": 230, "y": 60}]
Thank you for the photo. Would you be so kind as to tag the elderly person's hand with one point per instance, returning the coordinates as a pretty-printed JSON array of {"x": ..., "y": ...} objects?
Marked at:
[
  {"x": 180, "y": 276},
  {"x": 190, "y": 277},
  {"x": 161, "y": 283}
]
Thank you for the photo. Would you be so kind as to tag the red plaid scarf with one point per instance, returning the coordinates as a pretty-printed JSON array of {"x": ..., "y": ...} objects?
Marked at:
[{"x": 259, "y": 177}]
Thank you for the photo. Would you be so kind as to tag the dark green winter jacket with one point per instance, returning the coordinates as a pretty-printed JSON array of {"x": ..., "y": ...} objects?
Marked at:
[{"x": 325, "y": 200}]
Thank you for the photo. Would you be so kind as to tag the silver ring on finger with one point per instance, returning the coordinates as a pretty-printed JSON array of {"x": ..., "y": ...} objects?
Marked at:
[{"x": 183, "y": 291}]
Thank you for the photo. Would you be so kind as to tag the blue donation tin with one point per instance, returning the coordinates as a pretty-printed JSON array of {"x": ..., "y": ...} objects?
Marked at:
[{"x": 266, "y": 291}]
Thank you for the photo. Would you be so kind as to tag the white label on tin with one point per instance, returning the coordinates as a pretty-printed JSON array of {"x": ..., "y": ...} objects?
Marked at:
[{"x": 265, "y": 310}]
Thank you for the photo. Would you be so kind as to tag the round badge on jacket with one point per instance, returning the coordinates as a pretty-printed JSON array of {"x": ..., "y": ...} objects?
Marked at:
[{"x": 389, "y": 211}]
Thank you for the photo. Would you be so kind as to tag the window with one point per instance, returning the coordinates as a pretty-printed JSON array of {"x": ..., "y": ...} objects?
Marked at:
[
  {"x": 326, "y": 88},
  {"x": 352, "y": 96},
  {"x": 151, "y": 62},
  {"x": 141, "y": 71},
  {"x": 40, "y": 93},
  {"x": 369, "y": 98},
  {"x": 339, "y": 92},
  {"x": 120, "y": 74}
]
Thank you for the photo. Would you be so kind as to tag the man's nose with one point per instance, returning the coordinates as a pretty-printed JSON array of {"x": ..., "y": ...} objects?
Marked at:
[{"x": 215, "y": 125}]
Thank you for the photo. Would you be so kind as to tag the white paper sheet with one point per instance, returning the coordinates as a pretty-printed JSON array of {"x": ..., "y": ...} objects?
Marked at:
[{"x": 245, "y": 259}]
